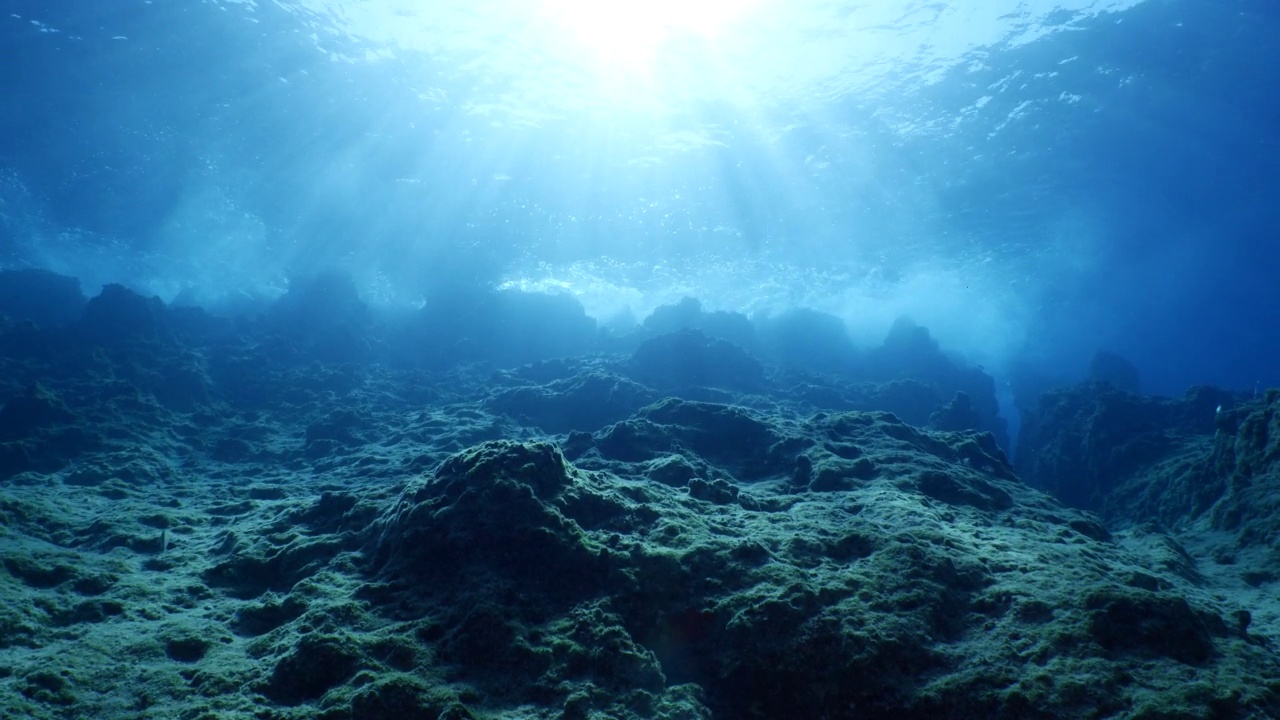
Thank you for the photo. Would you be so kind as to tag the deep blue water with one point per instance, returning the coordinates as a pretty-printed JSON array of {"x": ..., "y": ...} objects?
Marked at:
[{"x": 1032, "y": 183}]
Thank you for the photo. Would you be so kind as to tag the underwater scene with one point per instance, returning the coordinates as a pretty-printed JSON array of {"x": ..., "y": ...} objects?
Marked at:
[{"x": 611, "y": 360}]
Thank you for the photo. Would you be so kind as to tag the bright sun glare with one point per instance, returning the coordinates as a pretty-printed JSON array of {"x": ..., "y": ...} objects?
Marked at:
[{"x": 629, "y": 33}]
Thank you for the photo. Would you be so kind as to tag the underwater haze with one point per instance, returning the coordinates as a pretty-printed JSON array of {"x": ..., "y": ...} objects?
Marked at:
[
  {"x": 662, "y": 360},
  {"x": 1032, "y": 181}
]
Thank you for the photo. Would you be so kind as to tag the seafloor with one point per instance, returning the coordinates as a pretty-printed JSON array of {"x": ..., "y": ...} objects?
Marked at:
[{"x": 492, "y": 509}]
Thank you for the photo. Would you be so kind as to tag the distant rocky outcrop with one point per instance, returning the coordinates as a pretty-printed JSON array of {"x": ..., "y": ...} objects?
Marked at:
[
  {"x": 689, "y": 358},
  {"x": 1100, "y": 448},
  {"x": 322, "y": 317},
  {"x": 910, "y": 352},
  {"x": 918, "y": 378},
  {"x": 40, "y": 297},
  {"x": 1110, "y": 368}
]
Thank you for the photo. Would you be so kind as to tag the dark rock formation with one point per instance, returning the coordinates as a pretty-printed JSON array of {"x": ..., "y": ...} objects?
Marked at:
[
  {"x": 1110, "y": 368},
  {"x": 39, "y": 432},
  {"x": 1085, "y": 442},
  {"x": 689, "y": 358},
  {"x": 688, "y": 314},
  {"x": 1242, "y": 473},
  {"x": 322, "y": 317},
  {"x": 909, "y": 352},
  {"x": 41, "y": 297},
  {"x": 808, "y": 339},
  {"x": 119, "y": 315}
]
